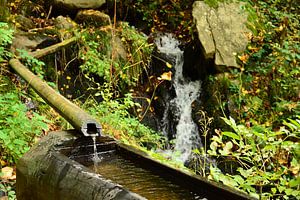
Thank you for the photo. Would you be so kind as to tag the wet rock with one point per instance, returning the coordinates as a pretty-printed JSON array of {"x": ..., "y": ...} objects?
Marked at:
[
  {"x": 195, "y": 65},
  {"x": 64, "y": 27},
  {"x": 64, "y": 23},
  {"x": 218, "y": 99},
  {"x": 118, "y": 48},
  {"x": 92, "y": 17},
  {"x": 78, "y": 4},
  {"x": 25, "y": 23},
  {"x": 30, "y": 41},
  {"x": 221, "y": 31}
]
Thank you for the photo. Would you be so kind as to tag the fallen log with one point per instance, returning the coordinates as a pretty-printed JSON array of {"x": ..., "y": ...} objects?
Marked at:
[{"x": 52, "y": 49}]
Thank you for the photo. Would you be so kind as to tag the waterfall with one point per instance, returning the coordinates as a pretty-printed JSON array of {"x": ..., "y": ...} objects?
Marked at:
[{"x": 187, "y": 135}]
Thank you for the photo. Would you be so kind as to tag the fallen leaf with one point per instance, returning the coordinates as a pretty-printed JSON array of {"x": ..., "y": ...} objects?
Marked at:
[
  {"x": 7, "y": 173},
  {"x": 168, "y": 65},
  {"x": 244, "y": 58},
  {"x": 2, "y": 163},
  {"x": 148, "y": 100},
  {"x": 166, "y": 76}
]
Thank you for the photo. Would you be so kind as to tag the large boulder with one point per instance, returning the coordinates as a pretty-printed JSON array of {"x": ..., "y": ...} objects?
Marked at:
[
  {"x": 221, "y": 31},
  {"x": 92, "y": 17},
  {"x": 78, "y": 4},
  {"x": 30, "y": 41}
]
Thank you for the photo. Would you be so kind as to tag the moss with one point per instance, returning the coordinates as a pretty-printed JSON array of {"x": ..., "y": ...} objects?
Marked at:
[
  {"x": 215, "y": 3},
  {"x": 5, "y": 84},
  {"x": 4, "y": 12}
]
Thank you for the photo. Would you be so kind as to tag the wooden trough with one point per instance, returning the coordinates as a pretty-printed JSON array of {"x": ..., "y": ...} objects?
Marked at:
[{"x": 50, "y": 171}]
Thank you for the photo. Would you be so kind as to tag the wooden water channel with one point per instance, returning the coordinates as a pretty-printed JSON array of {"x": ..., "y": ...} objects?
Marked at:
[{"x": 59, "y": 166}]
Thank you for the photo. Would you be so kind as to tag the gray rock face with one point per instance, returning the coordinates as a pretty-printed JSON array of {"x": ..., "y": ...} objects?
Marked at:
[
  {"x": 221, "y": 31},
  {"x": 64, "y": 27},
  {"x": 93, "y": 17},
  {"x": 79, "y": 4},
  {"x": 25, "y": 23},
  {"x": 30, "y": 41}
]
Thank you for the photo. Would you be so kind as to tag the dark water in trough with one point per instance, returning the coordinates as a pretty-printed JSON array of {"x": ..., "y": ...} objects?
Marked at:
[
  {"x": 136, "y": 171},
  {"x": 132, "y": 171},
  {"x": 136, "y": 178}
]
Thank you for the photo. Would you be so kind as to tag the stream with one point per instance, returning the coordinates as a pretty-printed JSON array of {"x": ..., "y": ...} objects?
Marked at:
[{"x": 187, "y": 134}]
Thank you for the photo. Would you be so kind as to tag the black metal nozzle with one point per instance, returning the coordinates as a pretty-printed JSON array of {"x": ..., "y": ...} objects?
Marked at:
[{"x": 91, "y": 128}]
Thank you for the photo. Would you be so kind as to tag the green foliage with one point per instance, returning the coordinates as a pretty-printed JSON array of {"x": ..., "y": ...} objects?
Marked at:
[
  {"x": 34, "y": 64},
  {"x": 261, "y": 155},
  {"x": 6, "y": 38},
  {"x": 266, "y": 88},
  {"x": 268, "y": 161},
  {"x": 118, "y": 57},
  {"x": 95, "y": 53},
  {"x": 117, "y": 121},
  {"x": 138, "y": 56},
  {"x": 18, "y": 127},
  {"x": 9, "y": 190},
  {"x": 214, "y": 3}
]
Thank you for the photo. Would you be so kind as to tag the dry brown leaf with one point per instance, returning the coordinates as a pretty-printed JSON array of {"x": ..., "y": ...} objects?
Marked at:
[
  {"x": 2, "y": 163},
  {"x": 7, "y": 173},
  {"x": 166, "y": 76}
]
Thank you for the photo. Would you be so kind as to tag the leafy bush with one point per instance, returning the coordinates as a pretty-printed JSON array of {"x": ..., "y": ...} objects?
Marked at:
[
  {"x": 6, "y": 38},
  {"x": 117, "y": 56},
  {"x": 34, "y": 64},
  {"x": 9, "y": 189},
  {"x": 18, "y": 127},
  {"x": 270, "y": 75},
  {"x": 94, "y": 54},
  {"x": 117, "y": 121},
  {"x": 268, "y": 161}
]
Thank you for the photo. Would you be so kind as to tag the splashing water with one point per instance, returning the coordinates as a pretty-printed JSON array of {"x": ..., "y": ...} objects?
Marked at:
[
  {"x": 187, "y": 135},
  {"x": 96, "y": 159}
]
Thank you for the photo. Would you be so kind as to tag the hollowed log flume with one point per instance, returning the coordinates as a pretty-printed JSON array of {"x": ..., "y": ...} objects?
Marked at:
[
  {"x": 50, "y": 171},
  {"x": 77, "y": 117}
]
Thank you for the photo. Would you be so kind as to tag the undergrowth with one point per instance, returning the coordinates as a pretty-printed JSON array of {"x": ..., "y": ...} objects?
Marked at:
[
  {"x": 116, "y": 120},
  {"x": 257, "y": 151},
  {"x": 117, "y": 56},
  {"x": 262, "y": 162},
  {"x": 18, "y": 125}
]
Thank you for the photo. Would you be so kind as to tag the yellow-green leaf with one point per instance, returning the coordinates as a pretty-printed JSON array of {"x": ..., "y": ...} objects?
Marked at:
[{"x": 168, "y": 65}]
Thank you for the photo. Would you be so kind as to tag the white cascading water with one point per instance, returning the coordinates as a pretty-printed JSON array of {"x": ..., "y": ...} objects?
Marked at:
[
  {"x": 187, "y": 135},
  {"x": 95, "y": 157}
]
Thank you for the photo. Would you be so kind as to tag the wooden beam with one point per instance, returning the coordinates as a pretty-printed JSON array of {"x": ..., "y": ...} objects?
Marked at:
[{"x": 52, "y": 49}]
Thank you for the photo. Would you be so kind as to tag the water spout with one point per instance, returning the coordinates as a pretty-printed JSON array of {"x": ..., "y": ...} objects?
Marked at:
[{"x": 91, "y": 128}]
